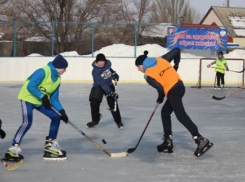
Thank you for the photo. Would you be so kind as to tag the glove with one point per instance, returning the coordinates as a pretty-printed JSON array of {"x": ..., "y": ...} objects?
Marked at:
[
  {"x": 46, "y": 101},
  {"x": 113, "y": 95},
  {"x": 2, "y": 133},
  {"x": 115, "y": 76},
  {"x": 160, "y": 100},
  {"x": 64, "y": 117},
  {"x": 176, "y": 67}
]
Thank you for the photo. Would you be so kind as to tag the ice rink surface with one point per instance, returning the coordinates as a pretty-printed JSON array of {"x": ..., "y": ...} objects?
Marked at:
[{"x": 222, "y": 122}]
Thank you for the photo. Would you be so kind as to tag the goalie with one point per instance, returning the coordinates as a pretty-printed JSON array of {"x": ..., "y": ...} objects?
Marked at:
[{"x": 221, "y": 67}]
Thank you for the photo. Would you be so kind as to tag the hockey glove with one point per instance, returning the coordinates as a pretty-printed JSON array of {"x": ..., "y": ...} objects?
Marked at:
[
  {"x": 64, "y": 117},
  {"x": 46, "y": 101},
  {"x": 2, "y": 133},
  {"x": 160, "y": 100},
  {"x": 115, "y": 76},
  {"x": 176, "y": 67},
  {"x": 113, "y": 95}
]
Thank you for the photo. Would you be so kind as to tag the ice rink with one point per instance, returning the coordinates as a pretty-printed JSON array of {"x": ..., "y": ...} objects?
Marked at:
[{"x": 222, "y": 122}]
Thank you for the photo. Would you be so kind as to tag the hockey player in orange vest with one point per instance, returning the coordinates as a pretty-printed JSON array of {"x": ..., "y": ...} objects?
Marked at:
[{"x": 160, "y": 74}]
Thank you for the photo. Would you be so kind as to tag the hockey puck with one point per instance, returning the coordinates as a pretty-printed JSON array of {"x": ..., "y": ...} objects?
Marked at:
[{"x": 103, "y": 140}]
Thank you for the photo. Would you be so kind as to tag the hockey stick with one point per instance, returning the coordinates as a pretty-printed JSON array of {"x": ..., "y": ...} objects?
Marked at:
[
  {"x": 227, "y": 95},
  {"x": 131, "y": 150},
  {"x": 121, "y": 154},
  {"x": 12, "y": 166},
  {"x": 229, "y": 70},
  {"x": 115, "y": 102}
]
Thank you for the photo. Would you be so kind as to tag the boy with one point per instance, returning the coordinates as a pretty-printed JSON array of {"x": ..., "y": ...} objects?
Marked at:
[
  {"x": 102, "y": 75},
  {"x": 41, "y": 92},
  {"x": 221, "y": 66},
  {"x": 161, "y": 75}
]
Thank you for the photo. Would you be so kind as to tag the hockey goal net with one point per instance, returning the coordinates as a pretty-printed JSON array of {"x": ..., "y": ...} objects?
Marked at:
[{"x": 207, "y": 76}]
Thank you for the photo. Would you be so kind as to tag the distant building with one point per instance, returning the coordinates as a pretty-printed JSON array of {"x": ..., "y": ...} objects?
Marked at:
[{"x": 231, "y": 18}]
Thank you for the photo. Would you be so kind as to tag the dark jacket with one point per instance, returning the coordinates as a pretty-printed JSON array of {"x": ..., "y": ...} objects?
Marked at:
[{"x": 102, "y": 76}]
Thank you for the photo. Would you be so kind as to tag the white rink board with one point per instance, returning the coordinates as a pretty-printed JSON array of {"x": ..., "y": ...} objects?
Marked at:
[{"x": 79, "y": 69}]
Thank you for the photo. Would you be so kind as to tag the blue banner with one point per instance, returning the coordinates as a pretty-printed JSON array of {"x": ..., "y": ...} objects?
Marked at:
[{"x": 197, "y": 38}]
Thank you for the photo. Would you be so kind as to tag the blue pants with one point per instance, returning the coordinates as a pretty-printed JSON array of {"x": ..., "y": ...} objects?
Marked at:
[{"x": 27, "y": 116}]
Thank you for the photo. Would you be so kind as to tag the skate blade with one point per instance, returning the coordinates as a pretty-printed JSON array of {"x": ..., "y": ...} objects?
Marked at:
[
  {"x": 55, "y": 159},
  {"x": 168, "y": 151},
  {"x": 205, "y": 150}
]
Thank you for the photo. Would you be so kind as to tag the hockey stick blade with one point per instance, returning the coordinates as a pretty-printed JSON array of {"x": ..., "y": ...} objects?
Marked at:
[
  {"x": 131, "y": 150},
  {"x": 217, "y": 98},
  {"x": 121, "y": 154},
  {"x": 12, "y": 166},
  {"x": 227, "y": 95}
]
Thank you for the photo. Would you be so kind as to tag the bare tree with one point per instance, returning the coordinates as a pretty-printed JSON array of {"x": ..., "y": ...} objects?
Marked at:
[
  {"x": 170, "y": 11},
  {"x": 43, "y": 12}
]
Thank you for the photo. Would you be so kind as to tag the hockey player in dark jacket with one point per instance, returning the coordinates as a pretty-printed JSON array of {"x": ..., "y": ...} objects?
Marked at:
[
  {"x": 161, "y": 75},
  {"x": 103, "y": 75}
]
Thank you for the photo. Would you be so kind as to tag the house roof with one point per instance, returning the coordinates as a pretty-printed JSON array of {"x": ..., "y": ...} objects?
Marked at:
[{"x": 232, "y": 18}]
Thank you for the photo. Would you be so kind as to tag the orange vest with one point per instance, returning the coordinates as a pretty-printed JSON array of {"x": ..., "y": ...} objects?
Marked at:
[{"x": 164, "y": 74}]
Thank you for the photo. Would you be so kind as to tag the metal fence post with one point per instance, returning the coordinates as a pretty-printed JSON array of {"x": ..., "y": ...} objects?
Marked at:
[
  {"x": 135, "y": 38},
  {"x": 93, "y": 26},
  {"x": 15, "y": 36},
  {"x": 53, "y": 38}
]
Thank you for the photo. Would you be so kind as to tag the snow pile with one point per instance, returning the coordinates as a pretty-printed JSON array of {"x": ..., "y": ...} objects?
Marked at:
[
  {"x": 70, "y": 54},
  {"x": 155, "y": 50},
  {"x": 237, "y": 53}
]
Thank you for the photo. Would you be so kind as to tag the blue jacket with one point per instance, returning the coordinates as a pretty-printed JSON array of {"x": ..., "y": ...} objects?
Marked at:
[
  {"x": 102, "y": 76},
  {"x": 36, "y": 78}
]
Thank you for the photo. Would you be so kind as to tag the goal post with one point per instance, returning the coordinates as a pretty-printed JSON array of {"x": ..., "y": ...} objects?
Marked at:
[{"x": 207, "y": 76}]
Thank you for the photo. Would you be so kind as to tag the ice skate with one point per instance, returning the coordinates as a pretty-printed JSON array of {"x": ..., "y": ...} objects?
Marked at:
[
  {"x": 52, "y": 151},
  {"x": 93, "y": 123},
  {"x": 203, "y": 145},
  {"x": 120, "y": 125},
  {"x": 13, "y": 154},
  {"x": 166, "y": 146},
  {"x": 217, "y": 88}
]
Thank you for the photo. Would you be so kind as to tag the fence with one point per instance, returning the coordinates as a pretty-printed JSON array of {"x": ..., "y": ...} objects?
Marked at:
[{"x": 22, "y": 38}]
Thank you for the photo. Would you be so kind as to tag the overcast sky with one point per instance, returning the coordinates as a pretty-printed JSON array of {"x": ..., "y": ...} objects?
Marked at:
[{"x": 204, "y": 5}]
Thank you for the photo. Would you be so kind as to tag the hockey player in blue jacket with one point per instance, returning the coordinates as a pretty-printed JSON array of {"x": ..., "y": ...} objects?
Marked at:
[
  {"x": 41, "y": 92},
  {"x": 103, "y": 75}
]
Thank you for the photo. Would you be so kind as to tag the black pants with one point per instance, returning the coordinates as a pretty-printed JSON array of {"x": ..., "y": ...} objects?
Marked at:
[
  {"x": 220, "y": 77},
  {"x": 174, "y": 103},
  {"x": 96, "y": 97}
]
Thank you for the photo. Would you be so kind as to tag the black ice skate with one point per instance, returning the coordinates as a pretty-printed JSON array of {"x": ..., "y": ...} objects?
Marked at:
[
  {"x": 166, "y": 146},
  {"x": 93, "y": 123},
  {"x": 203, "y": 145},
  {"x": 13, "y": 154},
  {"x": 52, "y": 151},
  {"x": 120, "y": 125}
]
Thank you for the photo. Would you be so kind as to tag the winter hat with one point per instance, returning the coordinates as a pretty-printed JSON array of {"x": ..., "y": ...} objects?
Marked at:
[
  {"x": 220, "y": 53},
  {"x": 60, "y": 62},
  {"x": 141, "y": 58},
  {"x": 100, "y": 57}
]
